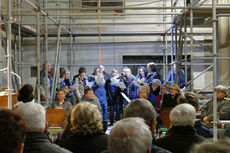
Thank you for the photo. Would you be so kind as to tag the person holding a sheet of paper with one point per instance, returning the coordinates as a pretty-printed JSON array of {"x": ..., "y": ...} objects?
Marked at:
[
  {"x": 128, "y": 82},
  {"x": 80, "y": 82},
  {"x": 112, "y": 94},
  {"x": 100, "y": 92}
]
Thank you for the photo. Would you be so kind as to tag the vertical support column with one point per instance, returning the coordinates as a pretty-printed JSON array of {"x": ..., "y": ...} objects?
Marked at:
[
  {"x": 38, "y": 52},
  {"x": 214, "y": 41},
  {"x": 46, "y": 57},
  {"x": 191, "y": 46},
  {"x": 172, "y": 51},
  {"x": 56, "y": 63},
  {"x": 164, "y": 59},
  {"x": 99, "y": 29},
  {"x": 19, "y": 41},
  {"x": 9, "y": 56},
  {"x": 185, "y": 52},
  {"x": 166, "y": 54}
]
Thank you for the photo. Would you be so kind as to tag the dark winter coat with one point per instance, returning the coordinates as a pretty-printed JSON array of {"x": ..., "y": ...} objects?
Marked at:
[
  {"x": 85, "y": 144},
  {"x": 169, "y": 101},
  {"x": 179, "y": 139},
  {"x": 38, "y": 142}
]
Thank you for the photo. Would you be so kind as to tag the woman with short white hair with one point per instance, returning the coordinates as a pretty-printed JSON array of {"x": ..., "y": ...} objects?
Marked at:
[{"x": 182, "y": 135}]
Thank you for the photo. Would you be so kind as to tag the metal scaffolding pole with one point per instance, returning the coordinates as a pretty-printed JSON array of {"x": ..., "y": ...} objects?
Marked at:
[
  {"x": 19, "y": 41},
  {"x": 45, "y": 13},
  {"x": 191, "y": 47},
  {"x": 46, "y": 58},
  {"x": 56, "y": 64},
  {"x": 172, "y": 51},
  {"x": 38, "y": 52},
  {"x": 214, "y": 20},
  {"x": 185, "y": 52},
  {"x": 9, "y": 57}
]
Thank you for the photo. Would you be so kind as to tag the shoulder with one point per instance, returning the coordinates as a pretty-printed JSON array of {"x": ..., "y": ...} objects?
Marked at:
[
  {"x": 57, "y": 149},
  {"x": 156, "y": 149}
]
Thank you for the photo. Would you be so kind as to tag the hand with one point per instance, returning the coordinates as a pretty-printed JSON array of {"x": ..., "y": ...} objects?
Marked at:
[
  {"x": 205, "y": 119},
  {"x": 99, "y": 84},
  {"x": 122, "y": 89}
]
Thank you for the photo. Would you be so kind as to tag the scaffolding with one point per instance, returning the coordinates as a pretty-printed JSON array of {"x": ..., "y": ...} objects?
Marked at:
[{"x": 179, "y": 37}]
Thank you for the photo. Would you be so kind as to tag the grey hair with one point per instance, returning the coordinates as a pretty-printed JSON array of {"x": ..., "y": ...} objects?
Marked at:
[
  {"x": 221, "y": 87},
  {"x": 34, "y": 115},
  {"x": 130, "y": 135},
  {"x": 141, "y": 108},
  {"x": 208, "y": 146},
  {"x": 156, "y": 81},
  {"x": 183, "y": 115}
]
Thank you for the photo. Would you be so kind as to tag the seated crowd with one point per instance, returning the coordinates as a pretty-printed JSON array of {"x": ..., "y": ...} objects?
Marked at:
[{"x": 138, "y": 102}]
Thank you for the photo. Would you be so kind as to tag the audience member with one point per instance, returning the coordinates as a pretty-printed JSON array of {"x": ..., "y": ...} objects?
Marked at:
[
  {"x": 143, "y": 108},
  {"x": 223, "y": 106},
  {"x": 144, "y": 93},
  {"x": 90, "y": 97},
  {"x": 152, "y": 73},
  {"x": 130, "y": 135},
  {"x": 181, "y": 136},
  {"x": 12, "y": 132},
  {"x": 69, "y": 96},
  {"x": 25, "y": 93},
  {"x": 170, "y": 100},
  {"x": 86, "y": 130},
  {"x": 61, "y": 103},
  {"x": 219, "y": 146},
  {"x": 36, "y": 127},
  {"x": 155, "y": 87},
  {"x": 81, "y": 82},
  {"x": 191, "y": 98}
]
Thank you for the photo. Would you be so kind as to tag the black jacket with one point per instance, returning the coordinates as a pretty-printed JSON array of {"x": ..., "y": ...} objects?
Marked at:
[
  {"x": 179, "y": 139},
  {"x": 156, "y": 149},
  {"x": 169, "y": 101},
  {"x": 85, "y": 144},
  {"x": 38, "y": 142}
]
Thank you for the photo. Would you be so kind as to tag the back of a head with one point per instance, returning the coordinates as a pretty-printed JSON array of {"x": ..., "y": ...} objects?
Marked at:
[
  {"x": 25, "y": 93},
  {"x": 130, "y": 135},
  {"x": 34, "y": 116},
  {"x": 12, "y": 131},
  {"x": 219, "y": 146},
  {"x": 183, "y": 115},
  {"x": 140, "y": 108},
  {"x": 86, "y": 119},
  {"x": 188, "y": 97}
]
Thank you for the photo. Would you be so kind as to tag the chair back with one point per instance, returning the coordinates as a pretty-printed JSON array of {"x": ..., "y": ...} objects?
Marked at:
[
  {"x": 55, "y": 117},
  {"x": 164, "y": 115}
]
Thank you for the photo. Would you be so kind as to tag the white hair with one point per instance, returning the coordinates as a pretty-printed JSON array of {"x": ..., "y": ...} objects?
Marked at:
[
  {"x": 130, "y": 135},
  {"x": 34, "y": 115},
  {"x": 221, "y": 87},
  {"x": 183, "y": 115},
  {"x": 141, "y": 108},
  {"x": 156, "y": 81}
]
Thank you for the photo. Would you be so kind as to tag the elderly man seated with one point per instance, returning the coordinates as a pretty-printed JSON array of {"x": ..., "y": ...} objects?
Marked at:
[
  {"x": 223, "y": 106},
  {"x": 130, "y": 135},
  {"x": 36, "y": 127},
  {"x": 143, "y": 108},
  {"x": 181, "y": 136}
]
